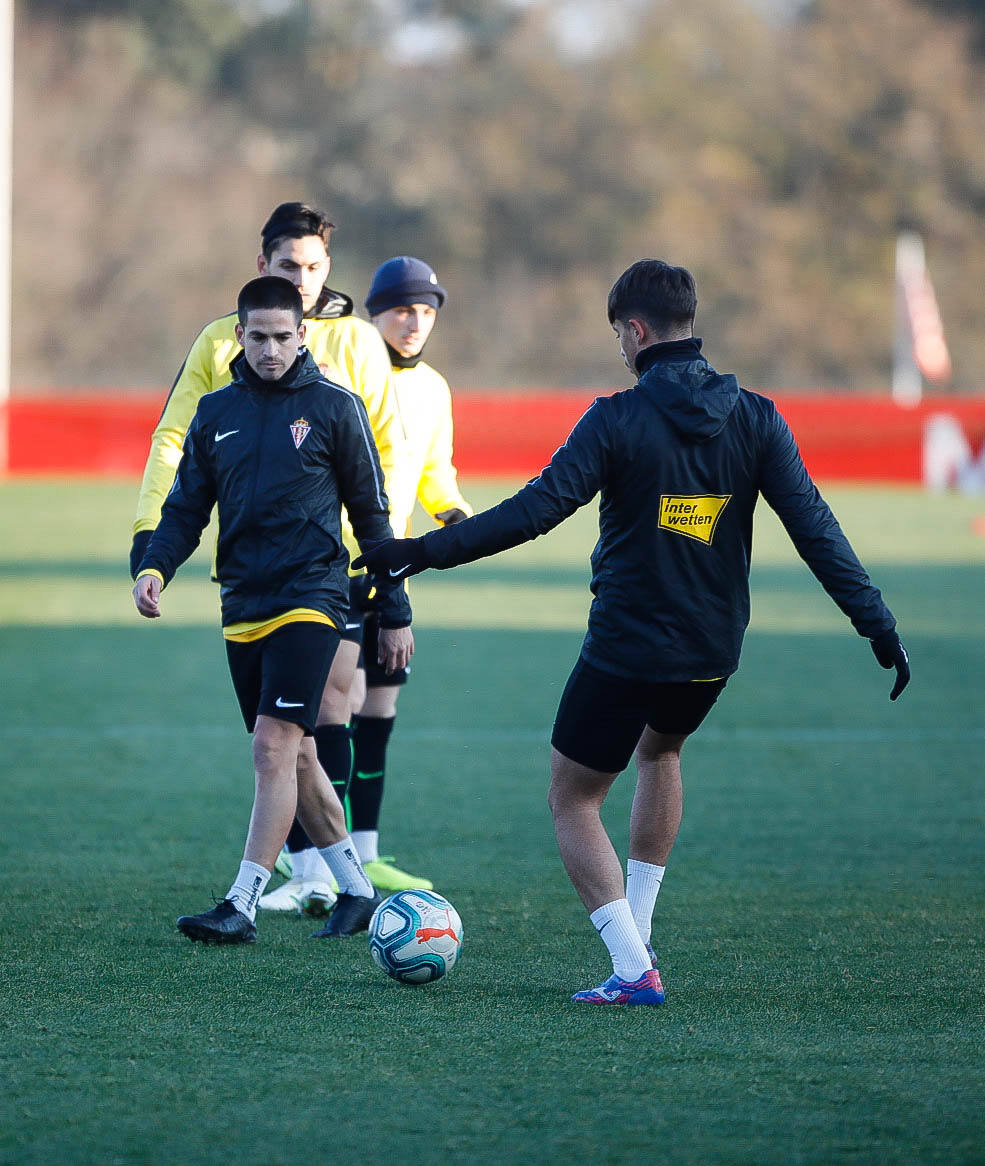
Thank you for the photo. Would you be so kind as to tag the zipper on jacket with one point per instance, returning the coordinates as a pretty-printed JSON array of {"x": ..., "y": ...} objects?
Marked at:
[{"x": 264, "y": 405}]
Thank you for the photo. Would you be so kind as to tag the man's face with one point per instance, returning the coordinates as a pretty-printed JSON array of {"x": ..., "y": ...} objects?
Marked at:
[
  {"x": 271, "y": 341},
  {"x": 630, "y": 336},
  {"x": 304, "y": 262},
  {"x": 407, "y": 328}
]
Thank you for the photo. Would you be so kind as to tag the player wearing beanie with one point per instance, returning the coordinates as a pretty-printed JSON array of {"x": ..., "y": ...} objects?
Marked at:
[{"x": 403, "y": 301}]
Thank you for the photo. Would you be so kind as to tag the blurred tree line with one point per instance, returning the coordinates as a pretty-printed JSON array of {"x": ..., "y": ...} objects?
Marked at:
[{"x": 528, "y": 149}]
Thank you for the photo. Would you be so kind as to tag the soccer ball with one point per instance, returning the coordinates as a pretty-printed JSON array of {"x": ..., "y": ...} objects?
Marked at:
[{"x": 415, "y": 936}]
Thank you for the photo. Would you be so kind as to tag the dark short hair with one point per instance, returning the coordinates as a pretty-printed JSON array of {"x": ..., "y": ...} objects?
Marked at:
[
  {"x": 651, "y": 290},
  {"x": 294, "y": 220},
  {"x": 268, "y": 292}
]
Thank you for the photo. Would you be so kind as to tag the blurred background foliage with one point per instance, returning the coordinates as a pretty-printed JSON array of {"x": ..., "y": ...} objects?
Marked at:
[{"x": 528, "y": 149}]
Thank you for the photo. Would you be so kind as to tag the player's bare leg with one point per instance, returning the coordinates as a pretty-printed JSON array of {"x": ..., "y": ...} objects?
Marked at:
[
  {"x": 319, "y": 809},
  {"x": 653, "y": 824},
  {"x": 310, "y": 886},
  {"x": 659, "y": 799},
  {"x": 336, "y": 702},
  {"x": 380, "y": 701},
  {"x": 275, "y": 757},
  {"x": 576, "y": 796}
]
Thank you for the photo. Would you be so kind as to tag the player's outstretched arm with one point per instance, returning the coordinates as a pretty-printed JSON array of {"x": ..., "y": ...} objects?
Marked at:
[
  {"x": 889, "y": 651},
  {"x": 393, "y": 561}
]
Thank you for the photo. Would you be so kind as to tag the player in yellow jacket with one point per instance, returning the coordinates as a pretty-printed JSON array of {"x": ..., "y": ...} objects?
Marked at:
[
  {"x": 403, "y": 302},
  {"x": 349, "y": 351},
  {"x": 294, "y": 244}
]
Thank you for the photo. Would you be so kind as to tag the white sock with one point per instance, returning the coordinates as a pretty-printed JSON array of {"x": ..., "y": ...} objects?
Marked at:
[
  {"x": 309, "y": 866},
  {"x": 643, "y": 881},
  {"x": 248, "y": 888},
  {"x": 367, "y": 843},
  {"x": 345, "y": 865},
  {"x": 615, "y": 924}
]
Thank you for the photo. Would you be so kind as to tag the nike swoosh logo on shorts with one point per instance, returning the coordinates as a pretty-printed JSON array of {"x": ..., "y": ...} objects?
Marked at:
[
  {"x": 399, "y": 571},
  {"x": 281, "y": 703},
  {"x": 228, "y": 433}
]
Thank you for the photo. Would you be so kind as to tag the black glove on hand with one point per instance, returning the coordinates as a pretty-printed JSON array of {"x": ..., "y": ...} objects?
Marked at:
[
  {"x": 450, "y": 517},
  {"x": 889, "y": 651},
  {"x": 138, "y": 549},
  {"x": 393, "y": 561}
]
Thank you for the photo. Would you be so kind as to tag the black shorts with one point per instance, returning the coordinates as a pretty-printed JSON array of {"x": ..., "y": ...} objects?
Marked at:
[
  {"x": 283, "y": 675},
  {"x": 601, "y": 717},
  {"x": 361, "y": 608}
]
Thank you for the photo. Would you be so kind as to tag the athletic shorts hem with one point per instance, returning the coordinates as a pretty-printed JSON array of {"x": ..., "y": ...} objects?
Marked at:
[{"x": 601, "y": 717}]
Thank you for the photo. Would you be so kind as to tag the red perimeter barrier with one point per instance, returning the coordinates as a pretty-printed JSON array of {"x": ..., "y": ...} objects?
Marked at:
[{"x": 508, "y": 434}]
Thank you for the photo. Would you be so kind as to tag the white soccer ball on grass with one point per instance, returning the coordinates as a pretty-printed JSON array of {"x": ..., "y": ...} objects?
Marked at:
[{"x": 415, "y": 936}]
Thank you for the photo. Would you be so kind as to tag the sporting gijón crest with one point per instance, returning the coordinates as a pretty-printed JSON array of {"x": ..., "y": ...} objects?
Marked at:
[{"x": 299, "y": 431}]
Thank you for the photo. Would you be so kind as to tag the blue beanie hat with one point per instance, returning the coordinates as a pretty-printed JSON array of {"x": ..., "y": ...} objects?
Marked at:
[{"x": 403, "y": 281}]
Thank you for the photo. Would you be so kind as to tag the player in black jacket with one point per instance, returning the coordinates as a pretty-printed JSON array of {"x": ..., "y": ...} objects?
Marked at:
[
  {"x": 280, "y": 450},
  {"x": 680, "y": 461}
]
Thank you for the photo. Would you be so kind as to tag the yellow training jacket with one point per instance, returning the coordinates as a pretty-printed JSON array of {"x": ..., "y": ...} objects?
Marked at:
[
  {"x": 429, "y": 476},
  {"x": 349, "y": 352}
]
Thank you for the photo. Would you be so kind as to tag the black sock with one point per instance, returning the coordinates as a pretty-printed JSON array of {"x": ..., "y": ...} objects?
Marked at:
[
  {"x": 298, "y": 838},
  {"x": 333, "y": 744},
  {"x": 370, "y": 736}
]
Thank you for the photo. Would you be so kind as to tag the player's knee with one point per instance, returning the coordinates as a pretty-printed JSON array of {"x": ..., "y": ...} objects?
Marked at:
[
  {"x": 275, "y": 747},
  {"x": 307, "y": 762},
  {"x": 561, "y": 797},
  {"x": 335, "y": 708},
  {"x": 380, "y": 701},
  {"x": 357, "y": 691}
]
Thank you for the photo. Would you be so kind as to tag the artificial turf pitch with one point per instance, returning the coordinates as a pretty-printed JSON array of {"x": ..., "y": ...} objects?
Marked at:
[{"x": 820, "y": 926}]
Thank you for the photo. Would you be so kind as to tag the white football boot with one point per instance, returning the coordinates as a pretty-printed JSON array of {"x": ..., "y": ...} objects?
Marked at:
[{"x": 303, "y": 896}]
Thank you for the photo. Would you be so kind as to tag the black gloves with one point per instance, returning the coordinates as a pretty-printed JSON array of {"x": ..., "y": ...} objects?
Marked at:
[
  {"x": 138, "y": 549},
  {"x": 890, "y": 653},
  {"x": 391, "y": 562},
  {"x": 450, "y": 517}
]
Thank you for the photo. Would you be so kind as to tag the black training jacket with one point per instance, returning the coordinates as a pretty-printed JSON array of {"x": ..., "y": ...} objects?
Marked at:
[
  {"x": 280, "y": 458},
  {"x": 680, "y": 461}
]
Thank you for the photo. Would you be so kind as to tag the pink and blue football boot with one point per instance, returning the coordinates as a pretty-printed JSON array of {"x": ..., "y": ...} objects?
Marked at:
[{"x": 646, "y": 990}]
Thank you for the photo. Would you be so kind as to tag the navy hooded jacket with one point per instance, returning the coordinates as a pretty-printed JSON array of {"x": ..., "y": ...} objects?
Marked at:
[
  {"x": 280, "y": 459},
  {"x": 680, "y": 461}
]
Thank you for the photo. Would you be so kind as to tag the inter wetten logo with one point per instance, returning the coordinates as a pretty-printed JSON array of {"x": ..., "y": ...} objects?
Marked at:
[{"x": 693, "y": 515}]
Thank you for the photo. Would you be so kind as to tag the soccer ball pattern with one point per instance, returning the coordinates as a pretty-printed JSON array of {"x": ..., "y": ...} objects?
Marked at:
[{"x": 415, "y": 936}]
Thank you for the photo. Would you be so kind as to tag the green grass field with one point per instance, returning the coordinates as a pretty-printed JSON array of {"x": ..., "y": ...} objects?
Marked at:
[{"x": 820, "y": 926}]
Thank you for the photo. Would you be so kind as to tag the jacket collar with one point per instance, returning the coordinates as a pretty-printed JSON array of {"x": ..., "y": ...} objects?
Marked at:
[
  {"x": 398, "y": 361},
  {"x": 668, "y": 352},
  {"x": 302, "y": 371},
  {"x": 331, "y": 305}
]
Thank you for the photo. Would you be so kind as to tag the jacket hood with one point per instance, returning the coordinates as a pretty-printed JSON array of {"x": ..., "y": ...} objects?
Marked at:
[
  {"x": 679, "y": 381},
  {"x": 331, "y": 305},
  {"x": 304, "y": 371}
]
